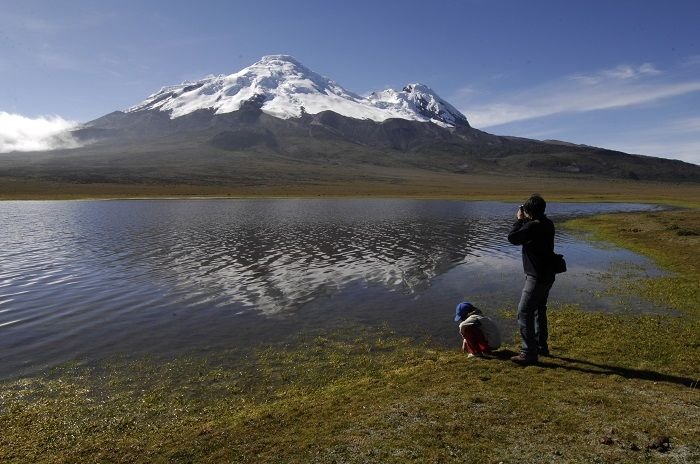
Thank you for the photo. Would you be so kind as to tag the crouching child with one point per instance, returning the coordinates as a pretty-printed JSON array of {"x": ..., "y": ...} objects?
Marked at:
[{"x": 480, "y": 334}]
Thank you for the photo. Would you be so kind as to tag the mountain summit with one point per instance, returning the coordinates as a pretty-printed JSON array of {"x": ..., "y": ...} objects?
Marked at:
[{"x": 284, "y": 88}]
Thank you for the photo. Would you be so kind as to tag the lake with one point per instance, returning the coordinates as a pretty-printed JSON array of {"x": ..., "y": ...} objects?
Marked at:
[{"x": 87, "y": 280}]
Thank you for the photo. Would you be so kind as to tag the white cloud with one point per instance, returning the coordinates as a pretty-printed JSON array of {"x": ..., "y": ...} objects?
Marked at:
[
  {"x": 20, "y": 133},
  {"x": 619, "y": 87}
]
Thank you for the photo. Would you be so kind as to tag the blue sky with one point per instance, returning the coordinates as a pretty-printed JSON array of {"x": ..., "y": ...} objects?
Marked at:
[{"x": 618, "y": 74}]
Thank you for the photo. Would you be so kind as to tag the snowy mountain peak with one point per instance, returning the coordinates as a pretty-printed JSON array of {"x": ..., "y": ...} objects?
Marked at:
[
  {"x": 421, "y": 100},
  {"x": 279, "y": 59},
  {"x": 283, "y": 87},
  {"x": 280, "y": 66}
]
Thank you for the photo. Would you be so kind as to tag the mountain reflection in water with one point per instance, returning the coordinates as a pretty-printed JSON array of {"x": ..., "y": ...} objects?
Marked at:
[{"x": 279, "y": 264}]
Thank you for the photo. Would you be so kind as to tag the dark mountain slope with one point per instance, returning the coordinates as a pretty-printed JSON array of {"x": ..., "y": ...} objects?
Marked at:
[{"x": 204, "y": 148}]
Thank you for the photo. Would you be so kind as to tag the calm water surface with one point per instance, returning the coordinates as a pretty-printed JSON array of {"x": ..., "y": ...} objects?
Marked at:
[{"x": 84, "y": 280}]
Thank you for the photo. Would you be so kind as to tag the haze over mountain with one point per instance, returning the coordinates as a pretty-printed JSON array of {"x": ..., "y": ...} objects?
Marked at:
[{"x": 278, "y": 121}]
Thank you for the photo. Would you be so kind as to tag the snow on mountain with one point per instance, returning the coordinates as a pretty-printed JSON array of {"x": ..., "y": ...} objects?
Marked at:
[
  {"x": 283, "y": 87},
  {"x": 418, "y": 100}
]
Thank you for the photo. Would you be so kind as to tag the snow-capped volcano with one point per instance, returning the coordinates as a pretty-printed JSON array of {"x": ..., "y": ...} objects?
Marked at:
[
  {"x": 283, "y": 87},
  {"x": 277, "y": 124}
]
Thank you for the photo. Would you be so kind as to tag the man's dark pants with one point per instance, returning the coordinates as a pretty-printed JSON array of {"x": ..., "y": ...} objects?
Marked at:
[{"x": 532, "y": 315}]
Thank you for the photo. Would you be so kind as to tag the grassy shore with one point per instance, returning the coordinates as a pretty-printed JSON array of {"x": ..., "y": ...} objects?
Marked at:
[{"x": 619, "y": 388}]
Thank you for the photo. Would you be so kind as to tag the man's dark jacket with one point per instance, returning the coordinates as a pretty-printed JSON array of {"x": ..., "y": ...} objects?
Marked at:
[{"x": 537, "y": 238}]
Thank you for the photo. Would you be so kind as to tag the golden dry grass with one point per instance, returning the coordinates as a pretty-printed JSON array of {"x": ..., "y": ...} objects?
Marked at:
[{"x": 404, "y": 183}]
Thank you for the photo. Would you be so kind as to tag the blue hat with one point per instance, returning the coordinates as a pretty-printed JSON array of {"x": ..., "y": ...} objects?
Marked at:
[{"x": 463, "y": 309}]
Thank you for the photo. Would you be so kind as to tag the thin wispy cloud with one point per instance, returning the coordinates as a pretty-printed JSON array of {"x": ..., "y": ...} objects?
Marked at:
[
  {"x": 20, "y": 133},
  {"x": 691, "y": 62},
  {"x": 686, "y": 125},
  {"x": 619, "y": 87},
  {"x": 465, "y": 92},
  {"x": 622, "y": 72}
]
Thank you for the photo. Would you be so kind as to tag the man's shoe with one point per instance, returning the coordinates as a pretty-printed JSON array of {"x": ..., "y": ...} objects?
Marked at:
[
  {"x": 524, "y": 360},
  {"x": 543, "y": 352}
]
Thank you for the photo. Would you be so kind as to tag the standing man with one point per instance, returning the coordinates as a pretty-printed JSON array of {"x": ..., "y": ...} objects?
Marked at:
[{"x": 535, "y": 232}]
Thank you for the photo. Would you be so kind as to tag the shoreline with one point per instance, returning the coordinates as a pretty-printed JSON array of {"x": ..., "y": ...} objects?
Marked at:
[{"x": 690, "y": 203}]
